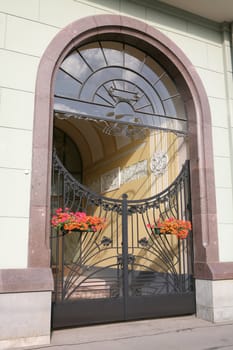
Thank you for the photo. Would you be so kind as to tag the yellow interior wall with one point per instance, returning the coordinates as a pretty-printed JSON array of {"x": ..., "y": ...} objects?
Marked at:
[
  {"x": 123, "y": 153},
  {"x": 132, "y": 153}
]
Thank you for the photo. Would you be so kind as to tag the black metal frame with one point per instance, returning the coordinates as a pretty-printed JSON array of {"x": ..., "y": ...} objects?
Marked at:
[
  {"x": 86, "y": 91},
  {"x": 125, "y": 271}
]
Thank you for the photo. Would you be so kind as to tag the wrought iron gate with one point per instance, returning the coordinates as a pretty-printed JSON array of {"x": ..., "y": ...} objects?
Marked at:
[{"x": 123, "y": 272}]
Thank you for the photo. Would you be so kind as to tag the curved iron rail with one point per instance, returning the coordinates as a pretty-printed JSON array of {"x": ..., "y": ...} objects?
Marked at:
[{"x": 72, "y": 190}]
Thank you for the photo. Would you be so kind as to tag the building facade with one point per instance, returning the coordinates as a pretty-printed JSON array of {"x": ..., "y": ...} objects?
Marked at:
[{"x": 38, "y": 41}]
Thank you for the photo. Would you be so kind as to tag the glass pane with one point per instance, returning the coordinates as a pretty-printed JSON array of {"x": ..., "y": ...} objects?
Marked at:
[
  {"x": 175, "y": 107},
  {"x": 76, "y": 66},
  {"x": 152, "y": 70},
  {"x": 143, "y": 105},
  {"x": 165, "y": 87},
  {"x": 68, "y": 153},
  {"x": 113, "y": 53},
  {"x": 67, "y": 86},
  {"x": 72, "y": 158},
  {"x": 103, "y": 92},
  {"x": 93, "y": 55},
  {"x": 133, "y": 58},
  {"x": 170, "y": 108}
]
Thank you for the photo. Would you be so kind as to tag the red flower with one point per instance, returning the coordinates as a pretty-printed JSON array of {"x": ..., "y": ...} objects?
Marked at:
[{"x": 68, "y": 220}]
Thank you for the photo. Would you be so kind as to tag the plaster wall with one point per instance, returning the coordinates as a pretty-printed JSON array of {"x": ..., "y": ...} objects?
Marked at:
[
  {"x": 25, "y": 319},
  {"x": 27, "y": 27}
]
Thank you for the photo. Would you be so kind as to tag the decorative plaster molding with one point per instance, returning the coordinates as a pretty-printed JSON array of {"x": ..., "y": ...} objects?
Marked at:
[
  {"x": 111, "y": 180},
  {"x": 134, "y": 172},
  {"x": 159, "y": 162}
]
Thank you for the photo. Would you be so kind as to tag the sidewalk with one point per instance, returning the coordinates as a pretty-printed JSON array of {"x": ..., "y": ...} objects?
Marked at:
[{"x": 179, "y": 333}]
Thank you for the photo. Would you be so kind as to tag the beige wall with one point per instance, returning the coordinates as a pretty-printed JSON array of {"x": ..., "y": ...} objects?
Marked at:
[
  {"x": 129, "y": 153},
  {"x": 26, "y": 29}
]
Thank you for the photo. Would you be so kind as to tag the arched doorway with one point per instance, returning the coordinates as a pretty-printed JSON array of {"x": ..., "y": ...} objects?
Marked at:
[
  {"x": 115, "y": 93},
  {"x": 193, "y": 94}
]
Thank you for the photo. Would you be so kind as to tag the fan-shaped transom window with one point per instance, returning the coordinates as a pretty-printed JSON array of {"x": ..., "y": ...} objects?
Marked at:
[{"x": 117, "y": 84}]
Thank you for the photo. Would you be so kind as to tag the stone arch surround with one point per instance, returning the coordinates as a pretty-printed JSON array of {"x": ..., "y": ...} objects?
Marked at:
[{"x": 135, "y": 32}]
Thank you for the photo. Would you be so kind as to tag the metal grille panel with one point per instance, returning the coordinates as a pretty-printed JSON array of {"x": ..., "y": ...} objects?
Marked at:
[{"x": 124, "y": 265}]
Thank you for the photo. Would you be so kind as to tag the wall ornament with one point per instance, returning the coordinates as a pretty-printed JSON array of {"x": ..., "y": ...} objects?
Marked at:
[{"x": 159, "y": 162}]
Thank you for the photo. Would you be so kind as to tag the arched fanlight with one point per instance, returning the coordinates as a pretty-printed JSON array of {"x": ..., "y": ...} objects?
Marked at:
[{"x": 122, "y": 89}]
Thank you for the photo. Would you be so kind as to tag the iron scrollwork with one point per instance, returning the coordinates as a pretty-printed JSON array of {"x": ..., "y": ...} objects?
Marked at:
[
  {"x": 130, "y": 259},
  {"x": 143, "y": 242},
  {"x": 106, "y": 241}
]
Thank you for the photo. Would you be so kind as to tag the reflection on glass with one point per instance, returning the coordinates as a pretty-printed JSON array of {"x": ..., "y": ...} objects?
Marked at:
[
  {"x": 76, "y": 66},
  {"x": 103, "y": 74},
  {"x": 68, "y": 153},
  {"x": 65, "y": 86}
]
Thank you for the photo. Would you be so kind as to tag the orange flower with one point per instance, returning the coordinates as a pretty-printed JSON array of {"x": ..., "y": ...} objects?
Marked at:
[
  {"x": 68, "y": 221},
  {"x": 173, "y": 226}
]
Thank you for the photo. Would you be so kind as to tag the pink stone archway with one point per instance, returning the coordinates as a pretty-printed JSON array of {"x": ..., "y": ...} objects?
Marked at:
[{"x": 206, "y": 259}]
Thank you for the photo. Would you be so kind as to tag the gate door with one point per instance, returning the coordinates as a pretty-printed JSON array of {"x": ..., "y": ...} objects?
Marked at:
[{"x": 125, "y": 271}]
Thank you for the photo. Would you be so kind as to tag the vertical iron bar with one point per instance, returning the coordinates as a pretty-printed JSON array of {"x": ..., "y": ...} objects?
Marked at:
[
  {"x": 183, "y": 245},
  {"x": 132, "y": 234},
  {"x": 125, "y": 252},
  {"x": 57, "y": 267},
  {"x": 118, "y": 239},
  {"x": 179, "y": 216},
  {"x": 63, "y": 264},
  {"x": 190, "y": 252}
]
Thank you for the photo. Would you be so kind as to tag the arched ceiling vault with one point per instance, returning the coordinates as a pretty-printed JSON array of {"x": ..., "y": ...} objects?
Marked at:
[{"x": 93, "y": 145}]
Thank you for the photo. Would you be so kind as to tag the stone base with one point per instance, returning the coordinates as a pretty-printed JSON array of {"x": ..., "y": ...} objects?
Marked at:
[
  {"x": 25, "y": 319},
  {"x": 24, "y": 342},
  {"x": 214, "y": 300}
]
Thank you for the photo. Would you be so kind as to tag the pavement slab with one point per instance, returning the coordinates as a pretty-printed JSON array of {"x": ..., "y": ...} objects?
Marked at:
[{"x": 176, "y": 333}]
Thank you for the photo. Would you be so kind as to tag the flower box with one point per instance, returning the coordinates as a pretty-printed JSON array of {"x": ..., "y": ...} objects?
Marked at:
[{"x": 68, "y": 221}]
